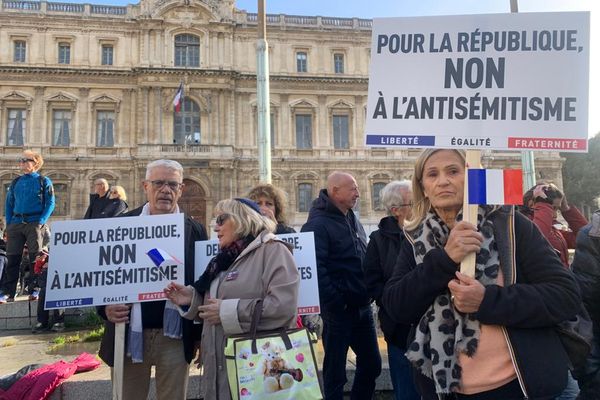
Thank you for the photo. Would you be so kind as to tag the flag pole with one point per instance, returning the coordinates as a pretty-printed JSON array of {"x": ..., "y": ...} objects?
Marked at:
[
  {"x": 262, "y": 98},
  {"x": 473, "y": 160},
  {"x": 527, "y": 159}
]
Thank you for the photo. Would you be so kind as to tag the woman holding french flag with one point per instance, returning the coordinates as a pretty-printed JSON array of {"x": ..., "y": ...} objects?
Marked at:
[{"x": 481, "y": 337}]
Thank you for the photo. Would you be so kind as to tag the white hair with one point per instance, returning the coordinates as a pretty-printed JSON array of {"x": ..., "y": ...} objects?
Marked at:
[
  {"x": 391, "y": 194},
  {"x": 170, "y": 164}
]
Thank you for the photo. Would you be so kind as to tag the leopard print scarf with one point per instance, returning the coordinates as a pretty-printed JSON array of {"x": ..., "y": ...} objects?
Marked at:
[{"x": 443, "y": 331}]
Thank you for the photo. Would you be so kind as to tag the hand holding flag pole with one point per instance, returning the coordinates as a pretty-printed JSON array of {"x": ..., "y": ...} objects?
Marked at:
[{"x": 473, "y": 159}]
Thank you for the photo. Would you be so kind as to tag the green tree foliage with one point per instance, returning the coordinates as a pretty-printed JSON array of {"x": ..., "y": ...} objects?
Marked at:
[{"x": 581, "y": 175}]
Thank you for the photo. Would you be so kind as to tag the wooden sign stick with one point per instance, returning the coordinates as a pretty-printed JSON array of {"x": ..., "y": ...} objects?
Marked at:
[
  {"x": 473, "y": 160},
  {"x": 119, "y": 358}
]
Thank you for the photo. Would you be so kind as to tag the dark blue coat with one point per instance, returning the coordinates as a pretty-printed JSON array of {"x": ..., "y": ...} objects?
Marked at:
[{"x": 340, "y": 246}]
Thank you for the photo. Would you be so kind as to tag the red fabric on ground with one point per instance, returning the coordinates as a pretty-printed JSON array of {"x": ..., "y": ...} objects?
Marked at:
[{"x": 40, "y": 383}]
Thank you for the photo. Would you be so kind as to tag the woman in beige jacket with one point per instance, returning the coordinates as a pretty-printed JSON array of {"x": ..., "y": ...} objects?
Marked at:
[{"x": 252, "y": 264}]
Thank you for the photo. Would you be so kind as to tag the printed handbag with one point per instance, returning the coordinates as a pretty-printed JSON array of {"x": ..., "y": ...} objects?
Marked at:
[{"x": 272, "y": 365}]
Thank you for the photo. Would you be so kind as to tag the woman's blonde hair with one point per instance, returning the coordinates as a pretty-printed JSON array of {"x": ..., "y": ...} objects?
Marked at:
[
  {"x": 421, "y": 203},
  {"x": 275, "y": 194},
  {"x": 246, "y": 220},
  {"x": 120, "y": 191}
]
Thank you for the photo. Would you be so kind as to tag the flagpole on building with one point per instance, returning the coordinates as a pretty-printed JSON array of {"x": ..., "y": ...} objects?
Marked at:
[
  {"x": 527, "y": 159},
  {"x": 262, "y": 98}
]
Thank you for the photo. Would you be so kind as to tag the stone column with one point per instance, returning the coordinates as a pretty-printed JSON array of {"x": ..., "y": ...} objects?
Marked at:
[{"x": 83, "y": 121}]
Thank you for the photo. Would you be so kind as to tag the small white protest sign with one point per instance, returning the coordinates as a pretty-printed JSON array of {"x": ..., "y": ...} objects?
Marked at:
[
  {"x": 114, "y": 260},
  {"x": 304, "y": 254}
]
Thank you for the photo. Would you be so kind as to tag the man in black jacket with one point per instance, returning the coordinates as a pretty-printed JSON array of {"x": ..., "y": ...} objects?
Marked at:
[
  {"x": 171, "y": 357},
  {"x": 382, "y": 253},
  {"x": 99, "y": 200},
  {"x": 340, "y": 246}
]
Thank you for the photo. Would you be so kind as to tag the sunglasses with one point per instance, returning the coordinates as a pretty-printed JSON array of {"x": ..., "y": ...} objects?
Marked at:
[
  {"x": 24, "y": 160},
  {"x": 159, "y": 184},
  {"x": 221, "y": 218}
]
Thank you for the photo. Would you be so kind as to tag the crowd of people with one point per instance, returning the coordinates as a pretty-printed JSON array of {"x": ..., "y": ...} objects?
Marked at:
[{"x": 449, "y": 335}]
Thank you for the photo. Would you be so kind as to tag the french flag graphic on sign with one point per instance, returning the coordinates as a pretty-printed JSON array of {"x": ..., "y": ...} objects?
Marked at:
[
  {"x": 495, "y": 186},
  {"x": 161, "y": 258}
]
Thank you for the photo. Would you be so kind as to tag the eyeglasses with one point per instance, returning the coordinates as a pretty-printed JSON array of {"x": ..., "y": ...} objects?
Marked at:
[
  {"x": 221, "y": 218},
  {"x": 159, "y": 184},
  {"x": 404, "y": 205},
  {"x": 24, "y": 160}
]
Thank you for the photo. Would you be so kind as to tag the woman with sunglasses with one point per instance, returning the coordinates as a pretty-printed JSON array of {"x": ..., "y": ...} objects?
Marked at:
[
  {"x": 117, "y": 203},
  {"x": 251, "y": 265}
]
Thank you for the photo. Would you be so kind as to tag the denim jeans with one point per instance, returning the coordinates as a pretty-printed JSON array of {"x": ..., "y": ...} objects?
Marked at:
[
  {"x": 355, "y": 329},
  {"x": 572, "y": 389},
  {"x": 401, "y": 374}
]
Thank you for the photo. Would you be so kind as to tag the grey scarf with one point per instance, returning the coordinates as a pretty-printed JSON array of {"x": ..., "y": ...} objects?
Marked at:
[{"x": 443, "y": 331}]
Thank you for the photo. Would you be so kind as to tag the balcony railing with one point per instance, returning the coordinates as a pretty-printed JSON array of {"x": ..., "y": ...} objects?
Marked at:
[{"x": 133, "y": 11}]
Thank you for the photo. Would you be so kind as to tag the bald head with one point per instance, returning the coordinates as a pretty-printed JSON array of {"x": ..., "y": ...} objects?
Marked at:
[{"x": 342, "y": 190}]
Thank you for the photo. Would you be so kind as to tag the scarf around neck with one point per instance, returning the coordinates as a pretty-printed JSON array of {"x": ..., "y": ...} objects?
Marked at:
[
  {"x": 443, "y": 331},
  {"x": 221, "y": 262}
]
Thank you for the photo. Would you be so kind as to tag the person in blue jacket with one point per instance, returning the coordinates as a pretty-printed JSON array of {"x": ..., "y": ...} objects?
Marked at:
[
  {"x": 340, "y": 247},
  {"x": 29, "y": 203}
]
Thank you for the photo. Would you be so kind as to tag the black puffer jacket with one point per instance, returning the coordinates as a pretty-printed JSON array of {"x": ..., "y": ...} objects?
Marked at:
[
  {"x": 340, "y": 246},
  {"x": 586, "y": 266},
  {"x": 538, "y": 293},
  {"x": 382, "y": 253}
]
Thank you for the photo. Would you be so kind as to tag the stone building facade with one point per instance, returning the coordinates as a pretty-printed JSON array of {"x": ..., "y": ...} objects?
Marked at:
[{"x": 91, "y": 87}]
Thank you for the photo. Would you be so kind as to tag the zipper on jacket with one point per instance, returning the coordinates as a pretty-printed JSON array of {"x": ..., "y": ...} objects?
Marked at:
[{"x": 515, "y": 364}]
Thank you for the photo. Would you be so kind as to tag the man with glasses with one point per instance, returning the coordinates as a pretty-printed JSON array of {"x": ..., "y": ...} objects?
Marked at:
[
  {"x": 29, "y": 204},
  {"x": 168, "y": 350},
  {"x": 99, "y": 200}
]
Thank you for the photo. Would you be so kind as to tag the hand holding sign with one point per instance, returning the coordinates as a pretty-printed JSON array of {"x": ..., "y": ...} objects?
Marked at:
[
  {"x": 463, "y": 239},
  {"x": 117, "y": 313}
]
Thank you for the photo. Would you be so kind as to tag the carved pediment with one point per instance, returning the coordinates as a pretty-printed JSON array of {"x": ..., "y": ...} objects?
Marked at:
[
  {"x": 104, "y": 98},
  {"x": 302, "y": 103},
  {"x": 341, "y": 104},
  {"x": 61, "y": 97},
  {"x": 16, "y": 96}
]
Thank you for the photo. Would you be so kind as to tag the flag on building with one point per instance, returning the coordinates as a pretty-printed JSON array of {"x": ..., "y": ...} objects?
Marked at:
[
  {"x": 495, "y": 186},
  {"x": 161, "y": 258},
  {"x": 178, "y": 99}
]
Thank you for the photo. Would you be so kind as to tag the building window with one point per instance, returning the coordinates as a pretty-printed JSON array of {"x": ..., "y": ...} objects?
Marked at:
[
  {"x": 61, "y": 127},
  {"x": 107, "y": 54},
  {"x": 61, "y": 196},
  {"x": 187, "y": 51},
  {"x": 272, "y": 131},
  {"x": 303, "y": 131},
  {"x": 20, "y": 51},
  {"x": 305, "y": 196},
  {"x": 64, "y": 53},
  {"x": 301, "y": 61},
  {"x": 376, "y": 196},
  {"x": 340, "y": 132},
  {"x": 338, "y": 63},
  {"x": 186, "y": 128},
  {"x": 105, "y": 128},
  {"x": 15, "y": 129}
]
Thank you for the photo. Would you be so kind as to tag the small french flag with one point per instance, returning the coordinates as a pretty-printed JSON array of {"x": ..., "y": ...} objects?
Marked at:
[
  {"x": 160, "y": 258},
  {"x": 495, "y": 186},
  {"x": 178, "y": 99}
]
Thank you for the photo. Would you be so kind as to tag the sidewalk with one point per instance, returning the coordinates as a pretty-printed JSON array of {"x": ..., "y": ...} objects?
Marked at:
[{"x": 19, "y": 348}]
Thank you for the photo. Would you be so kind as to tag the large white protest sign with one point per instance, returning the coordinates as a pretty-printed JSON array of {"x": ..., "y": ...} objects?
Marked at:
[
  {"x": 304, "y": 255},
  {"x": 114, "y": 260},
  {"x": 498, "y": 81}
]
